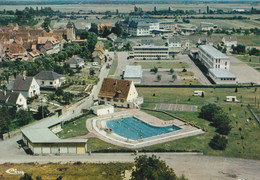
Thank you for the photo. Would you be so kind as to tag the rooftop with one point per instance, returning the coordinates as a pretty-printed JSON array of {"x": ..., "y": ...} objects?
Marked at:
[
  {"x": 22, "y": 83},
  {"x": 213, "y": 52},
  {"x": 221, "y": 73},
  {"x": 48, "y": 75},
  {"x": 133, "y": 72}
]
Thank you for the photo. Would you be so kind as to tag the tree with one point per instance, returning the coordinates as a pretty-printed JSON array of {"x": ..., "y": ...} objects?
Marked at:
[
  {"x": 222, "y": 122},
  {"x": 91, "y": 72},
  {"x": 155, "y": 70},
  {"x": 5, "y": 120},
  {"x": 218, "y": 142},
  {"x": 26, "y": 177},
  {"x": 23, "y": 117},
  {"x": 208, "y": 111},
  {"x": 171, "y": 71},
  {"x": 117, "y": 29},
  {"x": 67, "y": 97},
  {"x": 174, "y": 77},
  {"x": 94, "y": 28},
  {"x": 106, "y": 32},
  {"x": 59, "y": 92},
  {"x": 159, "y": 77},
  {"x": 43, "y": 111},
  {"x": 152, "y": 168}
]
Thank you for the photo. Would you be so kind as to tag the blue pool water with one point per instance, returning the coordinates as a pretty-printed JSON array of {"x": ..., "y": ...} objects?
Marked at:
[{"x": 133, "y": 128}]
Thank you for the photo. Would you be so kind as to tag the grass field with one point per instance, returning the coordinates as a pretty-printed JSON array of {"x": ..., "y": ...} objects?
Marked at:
[
  {"x": 81, "y": 171},
  {"x": 75, "y": 128},
  {"x": 247, "y": 148},
  {"x": 186, "y": 74},
  {"x": 163, "y": 65},
  {"x": 113, "y": 67}
]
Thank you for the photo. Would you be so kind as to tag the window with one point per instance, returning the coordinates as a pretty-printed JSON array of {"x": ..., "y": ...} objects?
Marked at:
[
  {"x": 42, "y": 82},
  {"x": 122, "y": 100},
  {"x": 108, "y": 99},
  {"x": 50, "y": 83}
]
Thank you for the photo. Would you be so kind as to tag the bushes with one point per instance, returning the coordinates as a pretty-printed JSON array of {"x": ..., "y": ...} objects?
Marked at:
[{"x": 218, "y": 142}]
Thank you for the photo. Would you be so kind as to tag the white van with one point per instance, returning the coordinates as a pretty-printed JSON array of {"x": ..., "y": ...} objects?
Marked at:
[
  {"x": 94, "y": 63},
  {"x": 198, "y": 93}
]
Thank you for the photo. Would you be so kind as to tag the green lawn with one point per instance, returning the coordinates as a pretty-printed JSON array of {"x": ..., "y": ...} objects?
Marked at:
[
  {"x": 68, "y": 171},
  {"x": 248, "y": 148},
  {"x": 75, "y": 128},
  {"x": 163, "y": 65},
  {"x": 113, "y": 66},
  {"x": 95, "y": 144},
  {"x": 186, "y": 74}
]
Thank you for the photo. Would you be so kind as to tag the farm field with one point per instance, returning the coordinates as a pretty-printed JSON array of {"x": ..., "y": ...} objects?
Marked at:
[
  {"x": 79, "y": 171},
  {"x": 130, "y": 7}
]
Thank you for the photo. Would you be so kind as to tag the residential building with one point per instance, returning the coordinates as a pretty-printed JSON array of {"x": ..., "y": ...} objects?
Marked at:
[
  {"x": 213, "y": 58},
  {"x": 76, "y": 62},
  {"x": 27, "y": 86},
  {"x": 188, "y": 31},
  {"x": 119, "y": 93},
  {"x": 147, "y": 42},
  {"x": 133, "y": 73},
  {"x": 118, "y": 43},
  {"x": 153, "y": 24},
  {"x": 13, "y": 99},
  {"x": 205, "y": 26},
  {"x": 174, "y": 42},
  {"x": 48, "y": 45},
  {"x": 139, "y": 28},
  {"x": 229, "y": 41},
  {"x": 98, "y": 55},
  {"x": 49, "y": 79},
  {"x": 112, "y": 37},
  {"x": 150, "y": 52}
]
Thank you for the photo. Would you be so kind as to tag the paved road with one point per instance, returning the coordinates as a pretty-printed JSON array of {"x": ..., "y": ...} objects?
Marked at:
[
  {"x": 122, "y": 62},
  {"x": 194, "y": 166}
]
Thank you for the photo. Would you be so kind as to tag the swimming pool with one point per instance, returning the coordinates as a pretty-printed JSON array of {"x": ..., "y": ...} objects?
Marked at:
[{"x": 133, "y": 128}]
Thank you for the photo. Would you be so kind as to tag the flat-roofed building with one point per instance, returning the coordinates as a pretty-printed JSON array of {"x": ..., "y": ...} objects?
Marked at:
[
  {"x": 222, "y": 76},
  {"x": 213, "y": 58},
  {"x": 168, "y": 25},
  {"x": 133, "y": 73},
  {"x": 151, "y": 52}
]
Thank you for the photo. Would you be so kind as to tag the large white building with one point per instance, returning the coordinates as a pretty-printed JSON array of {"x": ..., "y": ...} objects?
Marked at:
[
  {"x": 217, "y": 63},
  {"x": 213, "y": 58},
  {"x": 151, "y": 52}
]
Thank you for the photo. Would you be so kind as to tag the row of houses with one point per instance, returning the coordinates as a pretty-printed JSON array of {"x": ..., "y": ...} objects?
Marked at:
[
  {"x": 25, "y": 87},
  {"x": 25, "y": 43}
]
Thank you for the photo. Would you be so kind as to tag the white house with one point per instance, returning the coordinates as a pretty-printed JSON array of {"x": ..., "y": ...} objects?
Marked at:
[
  {"x": 231, "y": 99},
  {"x": 28, "y": 86},
  {"x": 75, "y": 62},
  {"x": 103, "y": 109},
  {"x": 13, "y": 99},
  {"x": 229, "y": 41},
  {"x": 174, "y": 42},
  {"x": 49, "y": 79},
  {"x": 205, "y": 26},
  {"x": 120, "y": 93}
]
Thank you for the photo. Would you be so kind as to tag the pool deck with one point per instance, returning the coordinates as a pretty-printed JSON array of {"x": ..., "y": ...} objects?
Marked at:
[{"x": 96, "y": 127}]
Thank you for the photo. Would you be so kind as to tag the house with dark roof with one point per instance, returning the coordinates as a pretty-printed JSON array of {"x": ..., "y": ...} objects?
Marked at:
[
  {"x": 75, "y": 62},
  {"x": 27, "y": 86},
  {"x": 174, "y": 42},
  {"x": 13, "y": 99},
  {"x": 119, "y": 93},
  {"x": 98, "y": 55},
  {"x": 118, "y": 43},
  {"x": 49, "y": 79}
]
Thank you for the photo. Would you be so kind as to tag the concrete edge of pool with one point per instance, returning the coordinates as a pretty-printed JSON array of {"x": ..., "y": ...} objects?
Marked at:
[{"x": 97, "y": 126}]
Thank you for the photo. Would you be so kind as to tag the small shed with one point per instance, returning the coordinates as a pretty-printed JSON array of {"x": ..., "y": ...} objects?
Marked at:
[{"x": 103, "y": 109}]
